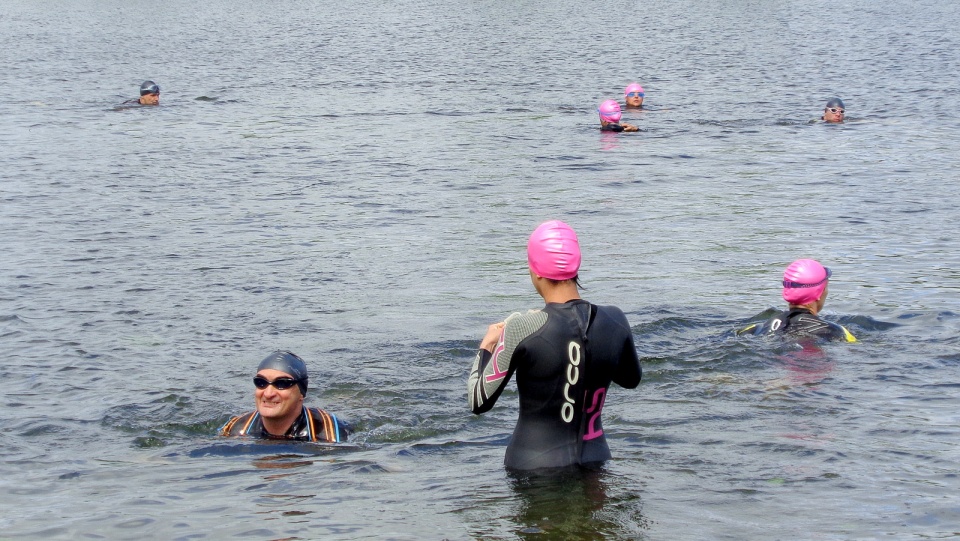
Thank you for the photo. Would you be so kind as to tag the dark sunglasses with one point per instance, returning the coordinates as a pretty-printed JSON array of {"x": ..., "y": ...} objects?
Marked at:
[
  {"x": 282, "y": 384},
  {"x": 799, "y": 285},
  {"x": 635, "y": 95},
  {"x": 835, "y": 110}
]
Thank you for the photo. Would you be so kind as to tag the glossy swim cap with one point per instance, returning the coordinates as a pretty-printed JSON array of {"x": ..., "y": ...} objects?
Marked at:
[
  {"x": 609, "y": 111},
  {"x": 835, "y": 102},
  {"x": 633, "y": 87},
  {"x": 554, "y": 251},
  {"x": 285, "y": 361},
  {"x": 149, "y": 87},
  {"x": 804, "y": 281}
]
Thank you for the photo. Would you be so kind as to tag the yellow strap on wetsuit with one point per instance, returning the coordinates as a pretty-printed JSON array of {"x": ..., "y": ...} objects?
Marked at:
[
  {"x": 746, "y": 329},
  {"x": 847, "y": 336}
]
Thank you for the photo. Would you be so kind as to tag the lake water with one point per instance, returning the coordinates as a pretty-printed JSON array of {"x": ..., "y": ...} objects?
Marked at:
[{"x": 355, "y": 182}]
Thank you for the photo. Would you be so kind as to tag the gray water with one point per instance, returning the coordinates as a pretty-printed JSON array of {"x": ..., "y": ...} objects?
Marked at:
[{"x": 355, "y": 182}]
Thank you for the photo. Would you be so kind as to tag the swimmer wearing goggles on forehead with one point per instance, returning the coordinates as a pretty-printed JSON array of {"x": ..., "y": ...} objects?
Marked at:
[
  {"x": 280, "y": 387},
  {"x": 149, "y": 94}
]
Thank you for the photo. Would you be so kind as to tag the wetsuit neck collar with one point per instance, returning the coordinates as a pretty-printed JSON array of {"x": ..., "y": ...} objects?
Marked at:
[{"x": 798, "y": 308}]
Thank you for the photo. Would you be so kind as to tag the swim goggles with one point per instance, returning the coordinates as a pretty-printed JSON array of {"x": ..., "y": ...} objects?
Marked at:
[
  {"x": 835, "y": 110},
  {"x": 787, "y": 283},
  {"x": 282, "y": 384},
  {"x": 635, "y": 95}
]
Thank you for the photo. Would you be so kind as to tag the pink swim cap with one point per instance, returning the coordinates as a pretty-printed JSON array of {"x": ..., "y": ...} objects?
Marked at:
[
  {"x": 609, "y": 111},
  {"x": 633, "y": 87},
  {"x": 804, "y": 281},
  {"x": 554, "y": 251}
]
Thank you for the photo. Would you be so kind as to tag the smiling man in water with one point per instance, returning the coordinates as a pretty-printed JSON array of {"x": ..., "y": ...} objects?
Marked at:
[{"x": 281, "y": 385}]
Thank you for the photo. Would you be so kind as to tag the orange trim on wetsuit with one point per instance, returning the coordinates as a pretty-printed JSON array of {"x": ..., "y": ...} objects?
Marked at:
[{"x": 314, "y": 424}]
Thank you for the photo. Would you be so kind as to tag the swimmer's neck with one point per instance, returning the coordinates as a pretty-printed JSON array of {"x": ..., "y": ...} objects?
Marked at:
[
  {"x": 560, "y": 293},
  {"x": 810, "y": 307}
]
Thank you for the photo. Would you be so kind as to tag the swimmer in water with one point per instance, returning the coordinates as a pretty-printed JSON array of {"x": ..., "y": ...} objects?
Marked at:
[
  {"x": 281, "y": 385},
  {"x": 805, "y": 290},
  {"x": 564, "y": 355},
  {"x": 633, "y": 96},
  {"x": 610, "y": 118},
  {"x": 833, "y": 111},
  {"x": 149, "y": 94}
]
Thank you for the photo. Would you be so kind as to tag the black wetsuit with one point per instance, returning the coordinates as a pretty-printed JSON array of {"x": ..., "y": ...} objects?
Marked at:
[
  {"x": 314, "y": 424},
  {"x": 565, "y": 357},
  {"x": 613, "y": 126},
  {"x": 800, "y": 322}
]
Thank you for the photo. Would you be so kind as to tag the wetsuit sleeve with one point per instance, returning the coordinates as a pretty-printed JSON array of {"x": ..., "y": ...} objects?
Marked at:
[{"x": 492, "y": 371}]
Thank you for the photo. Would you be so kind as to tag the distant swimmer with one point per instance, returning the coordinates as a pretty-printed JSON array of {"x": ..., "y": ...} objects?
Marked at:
[
  {"x": 834, "y": 111},
  {"x": 281, "y": 385},
  {"x": 564, "y": 356},
  {"x": 610, "y": 117},
  {"x": 805, "y": 290},
  {"x": 633, "y": 96},
  {"x": 149, "y": 94}
]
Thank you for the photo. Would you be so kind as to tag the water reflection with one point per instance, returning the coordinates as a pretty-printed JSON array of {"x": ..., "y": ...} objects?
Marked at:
[
  {"x": 609, "y": 141},
  {"x": 281, "y": 462},
  {"x": 807, "y": 366},
  {"x": 575, "y": 503}
]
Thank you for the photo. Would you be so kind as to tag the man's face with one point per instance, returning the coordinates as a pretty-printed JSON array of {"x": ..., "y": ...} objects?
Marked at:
[
  {"x": 150, "y": 99},
  {"x": 833, "y": 114},
  {"x": 634, "y": 99},
  {"x": 273, "y": 403}
]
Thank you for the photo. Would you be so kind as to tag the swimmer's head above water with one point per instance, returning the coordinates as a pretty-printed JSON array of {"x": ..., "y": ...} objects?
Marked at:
[
  {"x": 288, "y": 363},
  {"x": 553, "y": 251},
  {"x": 805, "y": 282},
  {"x": 834, "y": 111},
  {"x": 633, "y": 95},
  {"x": 149, "y": 93},
  {"x": 609, "y": 112}
]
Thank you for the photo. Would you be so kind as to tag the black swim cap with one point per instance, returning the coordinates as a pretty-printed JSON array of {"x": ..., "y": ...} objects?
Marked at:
[
  {"x": 149, "y": 87},
  {"x": 285, "y": 361},
  {"x": 835, "y": 102}
]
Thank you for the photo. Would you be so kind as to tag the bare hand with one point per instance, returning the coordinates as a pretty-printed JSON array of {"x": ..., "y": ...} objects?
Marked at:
[{"x": 492, "y": 337}]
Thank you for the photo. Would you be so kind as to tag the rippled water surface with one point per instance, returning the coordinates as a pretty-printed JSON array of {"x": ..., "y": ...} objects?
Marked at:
[{"x": 355, "y": 182}]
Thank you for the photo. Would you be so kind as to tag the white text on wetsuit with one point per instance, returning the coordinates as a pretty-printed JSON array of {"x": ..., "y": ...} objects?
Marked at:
[{"x": 573, "y": 376}]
